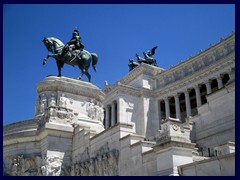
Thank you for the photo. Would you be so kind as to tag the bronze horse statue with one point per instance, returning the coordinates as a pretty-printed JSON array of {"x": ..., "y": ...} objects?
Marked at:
[
  {"x": 148, "y": 57},
  {"x": 82, "y": 58}
]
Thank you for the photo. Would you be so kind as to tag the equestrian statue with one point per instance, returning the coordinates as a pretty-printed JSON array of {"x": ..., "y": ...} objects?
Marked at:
[{"x": 72, "y": 54}]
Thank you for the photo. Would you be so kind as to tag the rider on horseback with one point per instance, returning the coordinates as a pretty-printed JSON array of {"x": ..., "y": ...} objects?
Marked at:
[{"x": 74, "y": 44}]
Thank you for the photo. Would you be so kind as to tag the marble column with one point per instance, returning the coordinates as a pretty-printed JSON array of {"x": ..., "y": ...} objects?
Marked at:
[
  {"x": 121, "y": 112},
  {"x": 167, "y": 108},
  {"x": 113, "y": 114},
  {"x": 219, "y": 81},
  {"x": 159, "y": 110},
  {"x": 110, "y": 116},
  {"x": 231, "y": 74},
  {"x": 187, "y": 101},
  {"x": 107, "y": 117},
  {"x": 209, "y": 89},
  {"x": 177, "y": 107},
  {"x": 116, "y": 112},
  {"x": 198, "y": 96}
]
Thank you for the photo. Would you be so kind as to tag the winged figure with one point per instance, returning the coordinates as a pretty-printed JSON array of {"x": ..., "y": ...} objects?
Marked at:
[{"x": 152, "y": 52}]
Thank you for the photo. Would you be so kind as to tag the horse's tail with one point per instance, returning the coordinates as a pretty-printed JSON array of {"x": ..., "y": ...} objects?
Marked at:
[{"x": 94, "y": 61}]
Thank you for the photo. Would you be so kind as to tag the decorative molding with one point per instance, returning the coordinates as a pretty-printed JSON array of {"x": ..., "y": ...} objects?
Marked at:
[
  {"x": 104, "y": 162},
  {"x": 200, "y": 61},
  {"x": 69, "y": 85}
]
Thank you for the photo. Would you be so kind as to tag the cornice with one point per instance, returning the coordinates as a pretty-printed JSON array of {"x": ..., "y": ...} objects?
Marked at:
[
  {"x": 143, "y": 68},
  {"x": 129, "y": 90},
  {"x": 198, "y": 77},
  {"x": 74, "y": 86},
  {"x": 204, "y": 55},
  {"x": 197, "y": 64}
]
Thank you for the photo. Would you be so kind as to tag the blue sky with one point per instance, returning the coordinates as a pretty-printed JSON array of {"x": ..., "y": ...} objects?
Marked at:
[{"x": 115, "y": 32}]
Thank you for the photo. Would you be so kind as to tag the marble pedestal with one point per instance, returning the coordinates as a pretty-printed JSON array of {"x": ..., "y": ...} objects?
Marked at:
[{"x": 66, "y": 101}]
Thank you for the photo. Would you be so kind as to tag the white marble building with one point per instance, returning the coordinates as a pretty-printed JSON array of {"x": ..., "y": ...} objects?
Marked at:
[{"x": 178, "y": 121}]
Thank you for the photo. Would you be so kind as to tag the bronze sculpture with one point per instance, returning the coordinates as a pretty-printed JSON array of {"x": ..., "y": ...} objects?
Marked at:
[
  {"x": 148, "y": 59},
  {"x": 132, "y": 64},
  {"x": 72, "y": 54},
  {"x": 75, "y": 43}
]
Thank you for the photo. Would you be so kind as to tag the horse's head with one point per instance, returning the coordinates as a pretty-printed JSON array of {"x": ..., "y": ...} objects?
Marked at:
[
  {"x": 48, "y": 44},
  {"x": 145, "y": 54}
]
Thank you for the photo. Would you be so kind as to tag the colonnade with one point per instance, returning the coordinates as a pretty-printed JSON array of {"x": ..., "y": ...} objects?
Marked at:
[
  {"x": 180, "y": 105},
  {"x": 110, "y": 114}
]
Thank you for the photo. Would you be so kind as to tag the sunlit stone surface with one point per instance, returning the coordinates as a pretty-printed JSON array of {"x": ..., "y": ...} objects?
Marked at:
[{"x": 153, "y": 121}]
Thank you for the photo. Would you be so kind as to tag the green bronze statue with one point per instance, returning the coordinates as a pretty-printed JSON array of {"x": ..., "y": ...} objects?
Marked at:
[
  {"x": 72, "y": 54},
  {"x": 148, "y": 59},
  {"x": 132, "y": 64},
  {"x": 74, "y": 44}
]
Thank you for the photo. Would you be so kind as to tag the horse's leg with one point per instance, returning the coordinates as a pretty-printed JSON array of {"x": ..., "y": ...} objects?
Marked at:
[
  {"x": 45, "y": 60},
  {"x": 48, "y": 56},
  {"x": 59, "y": 65},
  {"x": 88, "y": 75},
  {"x": 80, "y": 77},
  {"x": 59, "y": 71}
]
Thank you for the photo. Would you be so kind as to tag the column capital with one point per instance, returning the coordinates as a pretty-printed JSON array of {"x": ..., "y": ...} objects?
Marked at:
[
  {"x": 196, "y": 86},
  {"x": 166, "y": 98},
  {"x": 186, "y": 91},
  {"x": 206, "y": 81},
  {"x": 218, "y": 76},
  {"x": 176, "y": 94},
  {"x": 230, "y": 70}
]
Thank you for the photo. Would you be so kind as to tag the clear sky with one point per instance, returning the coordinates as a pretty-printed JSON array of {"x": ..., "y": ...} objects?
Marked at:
[{"x": 115, "y": 32}]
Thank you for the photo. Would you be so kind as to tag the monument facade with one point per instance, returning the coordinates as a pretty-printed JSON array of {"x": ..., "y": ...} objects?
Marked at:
[{"x": 152, "y": 122}]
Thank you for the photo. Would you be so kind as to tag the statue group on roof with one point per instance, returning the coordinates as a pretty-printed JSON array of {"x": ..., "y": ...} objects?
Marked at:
[{"x": 148, "y": 59}]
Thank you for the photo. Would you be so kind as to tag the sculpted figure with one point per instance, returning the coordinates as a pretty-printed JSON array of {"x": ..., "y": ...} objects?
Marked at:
[
  {"x": 15, "y": 167},
  {"x": 140, "y": 60},
  {"x": 132, "y": 64},
  {"x": 148, "y": 57},
  {"x": 100, "y": 114},
  {"x": 152, "y": 52},
  {"x": 72, "y": 54},
  {"x": 43, "y": 105},
  {"x": 99, "y": 165},
  {"x": 52, "y": 101},
  {"x": 91, "y": 109},
  {"x": 105, "y": 164},
  {"x": 63, "y": 102},
  {"x": 74, "y": 44}
]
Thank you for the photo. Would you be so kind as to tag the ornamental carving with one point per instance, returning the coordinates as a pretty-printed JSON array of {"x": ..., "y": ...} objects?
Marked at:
[
  {"x": 20, "y": 166},
  {"x": 35, "y": 166},
  {"x": 105, "y": 164},
  {"x": 175, "y": 127},
  {"x": 51, "y": 166},
  {"x": 94, "y": 111}
]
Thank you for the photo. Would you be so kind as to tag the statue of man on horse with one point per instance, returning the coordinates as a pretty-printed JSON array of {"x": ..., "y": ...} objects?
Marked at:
[
  {"x": 75, "y": 43},
  {"x": 72, "y": 53}
]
